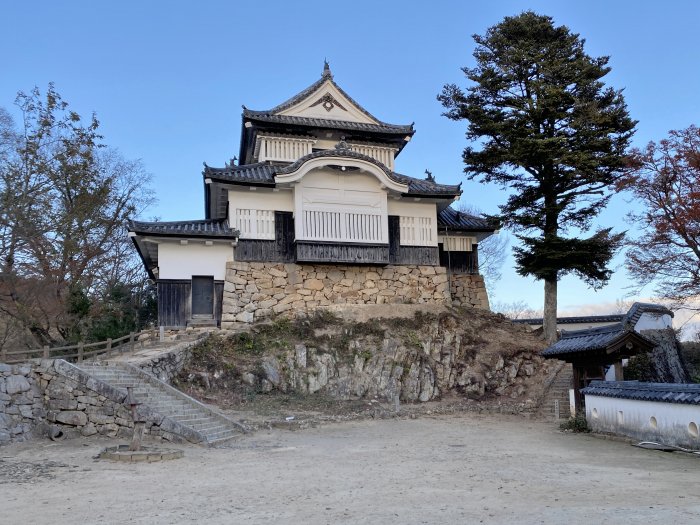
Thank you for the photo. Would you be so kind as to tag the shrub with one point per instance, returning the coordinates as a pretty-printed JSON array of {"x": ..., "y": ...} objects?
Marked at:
[{"x": 576, "y": 423}]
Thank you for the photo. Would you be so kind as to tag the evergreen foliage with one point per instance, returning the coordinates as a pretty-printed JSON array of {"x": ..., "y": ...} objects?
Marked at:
[{"x": 542, "y": 123}]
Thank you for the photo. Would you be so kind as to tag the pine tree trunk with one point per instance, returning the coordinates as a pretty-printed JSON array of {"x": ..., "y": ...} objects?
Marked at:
[{"x": 549, "y": 327}]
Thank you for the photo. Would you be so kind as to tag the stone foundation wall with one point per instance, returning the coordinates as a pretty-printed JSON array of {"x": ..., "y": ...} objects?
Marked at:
[
  {"x": 256, "y": 290},
  {"x": 469, "y": 290}
]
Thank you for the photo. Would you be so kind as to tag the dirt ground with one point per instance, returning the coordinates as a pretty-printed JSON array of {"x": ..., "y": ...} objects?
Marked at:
[{"x": 459, "y": 468}]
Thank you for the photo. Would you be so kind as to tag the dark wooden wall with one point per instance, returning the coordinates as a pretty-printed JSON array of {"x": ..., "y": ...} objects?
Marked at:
[
  {"x": 175, "y": 302},
  {"x": 460, "y": 262},
  {"x": 422, "y": 255},
  {"x": 284, "y": 249},
  {"x": 342, "y": 253},
  {"x": 279, "y": 250},
  {"x": 218, "y": 300}
]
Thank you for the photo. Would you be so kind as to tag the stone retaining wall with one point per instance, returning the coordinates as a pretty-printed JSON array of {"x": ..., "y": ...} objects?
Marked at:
[
  {"x": 257, "y": 290},
  {"x": 21, "y": 402},
  {"x": 43, "y": 397}
]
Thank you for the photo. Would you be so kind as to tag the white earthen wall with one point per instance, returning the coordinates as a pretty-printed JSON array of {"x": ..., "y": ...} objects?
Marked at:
[
  {"x": 633, "y": 418},
  {"x": 177, "y": 261}
]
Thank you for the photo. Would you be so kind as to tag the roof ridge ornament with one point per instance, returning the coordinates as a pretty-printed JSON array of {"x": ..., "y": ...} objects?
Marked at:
[
  {"x": 328, "y": 102},
  {"x": 342, "y": 145},
  {"x": 326, "y": 70}
]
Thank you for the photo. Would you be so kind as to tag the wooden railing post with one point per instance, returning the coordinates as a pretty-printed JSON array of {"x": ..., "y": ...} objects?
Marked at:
[
  {"x": 46, "y": 351},
  {"x": 80, "y": 352},
  {"x": 109, "y": 347},
  {"x": 3, "y": 355},
  {"x": 131, "y": 342}
]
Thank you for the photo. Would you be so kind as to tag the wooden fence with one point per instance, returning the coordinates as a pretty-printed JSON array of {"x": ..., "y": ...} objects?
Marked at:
[{"x": 82, "y": 351}]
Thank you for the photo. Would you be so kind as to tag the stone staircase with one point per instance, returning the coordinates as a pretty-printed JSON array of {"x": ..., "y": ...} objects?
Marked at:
[
  {"x": 558, "y": 390},
  {"x": 182, "y": 414}
]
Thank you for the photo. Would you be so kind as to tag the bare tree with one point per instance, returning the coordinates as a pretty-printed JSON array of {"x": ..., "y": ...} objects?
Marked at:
[
  {"x": 64, "y": 201},
  {"x": 516, "y": 310},
  {"x": 492, "y": 252},
  {"x": 665, "y": 178}
]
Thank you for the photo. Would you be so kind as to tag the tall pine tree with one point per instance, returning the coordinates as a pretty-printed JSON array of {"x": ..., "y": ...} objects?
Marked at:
[{"x": 543, "y": 124}]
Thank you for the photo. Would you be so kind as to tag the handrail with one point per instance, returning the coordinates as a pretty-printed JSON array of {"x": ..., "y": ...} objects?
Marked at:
[{"x": 101, "y": 347}]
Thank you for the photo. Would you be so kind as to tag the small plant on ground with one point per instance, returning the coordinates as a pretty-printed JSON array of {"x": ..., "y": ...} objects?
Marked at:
[{"x": 576, "y": 423}]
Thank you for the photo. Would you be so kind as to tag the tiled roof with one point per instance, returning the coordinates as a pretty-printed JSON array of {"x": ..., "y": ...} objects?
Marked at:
[
  {"x": 635, "y": 313},
  {"x": 264, "y": 173},
  {"x": 628, "y": 320},
  {"x": 593, "y": 340},
  {"x": 270, "y": 114},
  {"x": 662, "y": 392},
  {"x": 614, "y": 318},
  {"x": 457, "y": 220},
  {"x": 259, "y": 173},
  {"x": 202, "y": 228},
  {"x": 324, "y": 123},
  {"x": 583, "y": 340}
]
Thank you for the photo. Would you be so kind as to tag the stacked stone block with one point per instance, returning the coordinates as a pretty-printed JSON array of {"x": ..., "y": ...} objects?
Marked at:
[{"x": 257, "y": 290}]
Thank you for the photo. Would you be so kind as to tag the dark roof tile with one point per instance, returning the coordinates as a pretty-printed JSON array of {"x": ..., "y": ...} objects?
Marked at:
[
  {"x": 613, "y": 318},
  {"x": 200, "y": 228},
  {"x": 457, "y": 220},
  {"x": 264, "y": 173},
  {"x": 592, "y": 339},
  {"x": 637, "y": 309},
  {"x": 259, "y": 173},
  {"x": 664, "y": 392},
  {"x": 328, "y": 123},
  {"x": 270, "y": 115}
]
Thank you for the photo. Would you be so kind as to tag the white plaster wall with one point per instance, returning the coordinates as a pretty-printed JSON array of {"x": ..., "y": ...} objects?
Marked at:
[
  {"x": 651, "y": 321},
  {"x": 630, "y": 417},
  {"x": 177, "y": 261},
  {"x": 261, "y": 199},
  {"x": 409, "y": 208}
]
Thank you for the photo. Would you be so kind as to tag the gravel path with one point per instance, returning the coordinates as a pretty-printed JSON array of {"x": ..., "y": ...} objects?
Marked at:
[{"x": 448, "y": 469}]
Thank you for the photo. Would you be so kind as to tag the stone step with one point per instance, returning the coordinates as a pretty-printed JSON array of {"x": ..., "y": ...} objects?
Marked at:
[
  {"x": 160, "y": 398},
  {"x": 222, "y": 436}
]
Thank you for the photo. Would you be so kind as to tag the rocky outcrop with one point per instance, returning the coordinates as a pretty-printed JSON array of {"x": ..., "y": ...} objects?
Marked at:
[
  {"x": 466, "y": 351},
  {"x": 666, "y": 361}
]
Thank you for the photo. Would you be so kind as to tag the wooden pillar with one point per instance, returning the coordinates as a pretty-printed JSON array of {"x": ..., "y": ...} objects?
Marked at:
[
  {"x": 618, "y": 371},
  {"x": 80, "y": 352},
  {"x": 578, "y": 400}
]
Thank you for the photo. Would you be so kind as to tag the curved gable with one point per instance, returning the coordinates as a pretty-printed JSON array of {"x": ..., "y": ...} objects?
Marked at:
[{"x": 349, "y": 163}]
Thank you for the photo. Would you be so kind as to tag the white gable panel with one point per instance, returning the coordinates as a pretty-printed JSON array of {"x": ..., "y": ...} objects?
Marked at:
[
  {"x": 328, "y": 103},
  {"x": 348, "y": 207}
]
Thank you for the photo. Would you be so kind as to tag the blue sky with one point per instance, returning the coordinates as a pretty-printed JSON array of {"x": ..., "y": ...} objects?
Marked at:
[{"x": 167, "y": 80}]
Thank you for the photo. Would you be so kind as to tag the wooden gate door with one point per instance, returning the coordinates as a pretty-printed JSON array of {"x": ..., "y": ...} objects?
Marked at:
[{"x": 202, "y": 296}]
